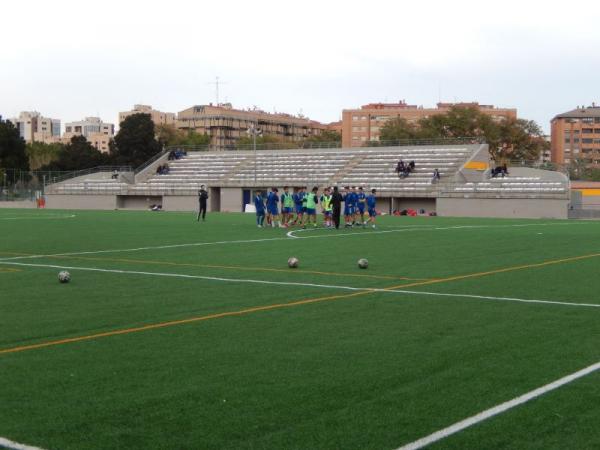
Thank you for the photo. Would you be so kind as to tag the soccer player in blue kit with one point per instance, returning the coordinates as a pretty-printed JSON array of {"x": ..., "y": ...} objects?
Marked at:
[
  {"x": 371, "y": 203},
  {"x": 273, "y": 207},
  {"x": 259, "y": 204},
  {"x": 361, "y": 199}
]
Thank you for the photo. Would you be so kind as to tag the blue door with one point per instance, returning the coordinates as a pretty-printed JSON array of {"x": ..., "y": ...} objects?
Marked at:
[{"x": 245, "y": 198}]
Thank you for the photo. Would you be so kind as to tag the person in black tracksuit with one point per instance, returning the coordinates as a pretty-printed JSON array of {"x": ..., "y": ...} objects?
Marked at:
[
  {"x": 202, "y": 197},
  {"x": 336, "y": 203}
]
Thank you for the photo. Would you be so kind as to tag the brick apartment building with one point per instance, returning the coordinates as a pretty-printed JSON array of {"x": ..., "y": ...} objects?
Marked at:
[
  {"x": 575, "y": 135},
  {"x": 364, "y": 124}
]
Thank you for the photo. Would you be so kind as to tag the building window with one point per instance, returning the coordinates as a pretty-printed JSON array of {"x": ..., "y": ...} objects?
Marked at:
[
  {"x": 587, "y": 130},
  {"x": 355, "y": 118},
  {"x": 567, "y": 140},
  {"x": 576, "y": 140},
  {"x": 587, "y": 141},
  {"x": 355, "y": 138},
  {"x": 363, "y": 138},
  {"x": 355, "y": 128},
  {"x": 587, "y": 120}
]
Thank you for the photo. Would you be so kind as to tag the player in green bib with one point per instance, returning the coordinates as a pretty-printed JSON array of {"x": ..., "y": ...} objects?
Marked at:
[
  {"x": 287, "y": 206},
  {"x": 327, "y": 206},
  {"x": 311, "y": 208}
]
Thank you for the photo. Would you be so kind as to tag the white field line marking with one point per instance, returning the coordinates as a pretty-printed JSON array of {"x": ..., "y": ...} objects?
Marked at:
[
  {"x": 245, "y": 241},
  {"x": 293, "y": 283},
  {"x": 424, "y": 228},
  {"x": 62, "y": 216},
  {"x": 498, "y": 409},
  {"x": 15, "y": 445}
]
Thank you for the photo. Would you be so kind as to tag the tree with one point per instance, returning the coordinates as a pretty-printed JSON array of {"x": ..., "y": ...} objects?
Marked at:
[
  {"x": 77, "y": 155},
  {"x": 266, "y": 141},
  {"x": 508, "y": 139},
  {"x": 41, "y": 154},
  {"x": 519, "y": 139},
  {"x": 12, "y": 147},
  {"x": 326, "y": 136},
  {"x": 135, "y": 143},
  {"x": 168, "y": 135},
  {"x": 398, "y": 129}
]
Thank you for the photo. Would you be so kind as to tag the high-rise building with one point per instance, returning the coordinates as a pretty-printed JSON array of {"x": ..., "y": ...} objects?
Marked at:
[
  {"x": 364, "y": 124},
  {"x": 33, "y": 126},
  {"x": 226, "y": 125},
  {"x": 575, "y": 135},
  {"x": 158, "y": 117},
  {"x": 98, "y": 133}
]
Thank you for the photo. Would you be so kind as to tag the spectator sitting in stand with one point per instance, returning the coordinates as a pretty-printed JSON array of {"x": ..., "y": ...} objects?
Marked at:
[
  {"x": 436, "y": 176},
  {"x": 400, "y": 168}
]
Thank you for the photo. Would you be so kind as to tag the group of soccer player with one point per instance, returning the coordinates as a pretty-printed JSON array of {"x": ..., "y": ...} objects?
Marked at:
[{"x": 299, "y": 208}]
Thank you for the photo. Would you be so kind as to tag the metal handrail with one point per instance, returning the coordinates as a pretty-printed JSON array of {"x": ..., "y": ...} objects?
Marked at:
[
  {"x": 331, "y": 145},
  {"x": 78, "y": 173},
  {"x": 153, "y": 159}
]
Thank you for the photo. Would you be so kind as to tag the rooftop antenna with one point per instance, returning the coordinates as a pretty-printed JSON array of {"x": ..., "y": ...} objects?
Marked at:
[{"x": 217, "y": 82}]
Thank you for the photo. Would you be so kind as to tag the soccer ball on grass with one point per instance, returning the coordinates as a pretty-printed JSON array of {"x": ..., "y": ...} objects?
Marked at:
[
  {"x": 64, "y": 276},
  {"x": 293, "y": 263},
  {"x": 363, "y": 263}
]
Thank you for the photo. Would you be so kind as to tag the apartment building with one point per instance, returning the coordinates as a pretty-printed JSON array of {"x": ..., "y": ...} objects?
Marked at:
[
  {"x": 97, "y": 132},
  {"x": 364, "y": 124},
  {"x": 158, "y": 117},
  {"x": 226, "y": 125},
  {"x": 575, "y": 135},
  {"x": 33, "y": 126}
]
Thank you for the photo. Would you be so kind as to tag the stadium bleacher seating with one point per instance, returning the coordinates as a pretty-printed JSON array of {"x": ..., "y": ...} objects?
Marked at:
[{"x": 372, "y": 167}]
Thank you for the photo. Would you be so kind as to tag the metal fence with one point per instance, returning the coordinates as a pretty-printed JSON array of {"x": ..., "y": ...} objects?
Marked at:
[
  {"x": 325, "y": 145},
  {"x": 28, "y": 185}
]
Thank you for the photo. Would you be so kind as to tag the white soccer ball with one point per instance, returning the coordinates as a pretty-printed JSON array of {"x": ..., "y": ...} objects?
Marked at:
[
  {"x": 363, "y": 263},
  {"x": 293, "y": 262},
  {"x": 64, "y": 276}
]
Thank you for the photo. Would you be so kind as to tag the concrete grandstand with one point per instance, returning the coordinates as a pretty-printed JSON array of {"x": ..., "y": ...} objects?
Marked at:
[{"x": 466, "y": 187}]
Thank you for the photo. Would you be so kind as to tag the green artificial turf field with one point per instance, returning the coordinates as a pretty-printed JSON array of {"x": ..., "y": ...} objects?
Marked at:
[{"x": 174, "y": 334}]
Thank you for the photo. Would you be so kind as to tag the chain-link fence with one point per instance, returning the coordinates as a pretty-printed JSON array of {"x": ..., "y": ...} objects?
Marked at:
[{"x": 18, "y": 185}]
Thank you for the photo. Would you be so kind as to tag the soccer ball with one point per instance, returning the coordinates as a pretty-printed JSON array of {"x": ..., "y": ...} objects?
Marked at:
[
  {"x": 363, "y": 263},
  {"x": 64, "y": 276},
  {"x": 293, "y": 262}
]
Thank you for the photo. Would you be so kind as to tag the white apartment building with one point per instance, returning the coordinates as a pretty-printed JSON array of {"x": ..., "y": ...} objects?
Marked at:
[
  {"x": 97, "y": 133},
  {"x": 33, "y": 126}
]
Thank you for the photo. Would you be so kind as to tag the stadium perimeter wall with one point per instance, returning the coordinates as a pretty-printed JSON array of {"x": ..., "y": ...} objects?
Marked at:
[
  {"x": 19, "y": 204},
  {"x": 83, "y": 201},
  {"x": 527, "y": 208}
]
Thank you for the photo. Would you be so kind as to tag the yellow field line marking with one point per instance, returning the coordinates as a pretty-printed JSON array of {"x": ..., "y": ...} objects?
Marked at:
[
  {"x": 9, "y": 269},
  {"x": 216, "y": 266},
  {"x": 502, "y": 270},
  {"x": 282, "y": 305},
  {"x": 179, "y": 322}
]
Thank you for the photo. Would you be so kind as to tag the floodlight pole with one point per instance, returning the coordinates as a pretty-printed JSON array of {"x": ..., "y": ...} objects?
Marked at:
[{"x": 254, "y": 131}]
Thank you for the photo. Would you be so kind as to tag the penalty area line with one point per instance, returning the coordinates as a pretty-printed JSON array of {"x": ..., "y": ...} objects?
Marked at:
[
  {"x": 7, "y": 443},
  {"x": 498, "y": 409}
]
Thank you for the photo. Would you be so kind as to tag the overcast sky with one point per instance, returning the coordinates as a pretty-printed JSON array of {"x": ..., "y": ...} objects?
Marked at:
[{"x": 71, "y": 59}]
